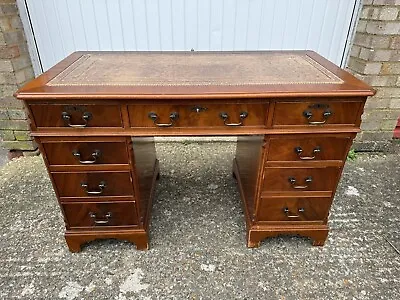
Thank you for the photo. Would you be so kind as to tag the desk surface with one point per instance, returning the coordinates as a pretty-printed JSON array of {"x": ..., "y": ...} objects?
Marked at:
[
  {"x": 193, "y": 74},
  {"x": 192, "y": 69}
]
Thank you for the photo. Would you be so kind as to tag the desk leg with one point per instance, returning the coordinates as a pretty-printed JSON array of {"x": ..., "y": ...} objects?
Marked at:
[
  {"x": 318, "y": 234},
  {"x": 75, "y": 240}
]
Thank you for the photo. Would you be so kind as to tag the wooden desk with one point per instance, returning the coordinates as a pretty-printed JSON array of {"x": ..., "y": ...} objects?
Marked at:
[{"x": 94, "y": 116}]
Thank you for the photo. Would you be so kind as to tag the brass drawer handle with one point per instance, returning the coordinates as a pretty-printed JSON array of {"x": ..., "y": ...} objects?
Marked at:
[
  {"x": 100, "y": 222},
  {"x": 173, "y": 117},
  {"x": 86, "y": 116},
  {"x": 224, "y": 116},
  {"x": 299, "y": 150},
  {"x": 96, "y": 155},
  {"x": 290, "y": 215},
  {"x": 292, "y": 181},
  {"x": 325, "y": 115},
  {"x": 102, "y": 186}
]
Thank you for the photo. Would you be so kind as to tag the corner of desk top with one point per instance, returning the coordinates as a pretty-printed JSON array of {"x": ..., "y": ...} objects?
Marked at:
[
  {"x": 343, "y": 74},
  {"x": 37, "y": 85}
]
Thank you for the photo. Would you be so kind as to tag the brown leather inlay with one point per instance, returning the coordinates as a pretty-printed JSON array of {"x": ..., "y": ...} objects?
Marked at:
[{"x": 188, "y": 69}]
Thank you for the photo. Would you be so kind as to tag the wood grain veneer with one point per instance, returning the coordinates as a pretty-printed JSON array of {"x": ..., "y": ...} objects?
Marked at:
[{"x": 116, "y": 102}]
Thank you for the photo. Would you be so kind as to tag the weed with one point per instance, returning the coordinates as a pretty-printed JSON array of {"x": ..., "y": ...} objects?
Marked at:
[{"x": 352, "y": 155}]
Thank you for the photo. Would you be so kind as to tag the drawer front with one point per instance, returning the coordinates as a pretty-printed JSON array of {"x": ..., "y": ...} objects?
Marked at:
[
  {"x": 76, "y": 116},
  {"x": 93, "y": 184},
  {"x": 307, "y": 148},
  {"x": 100, "y": 214},
  {"x": 86, "y": 153},
  {"x": 207, "y": 115},
  {"x": 293, "y": 209},
  {"x": 300, "y": 179},
  {"x": 316, "y": 113}
]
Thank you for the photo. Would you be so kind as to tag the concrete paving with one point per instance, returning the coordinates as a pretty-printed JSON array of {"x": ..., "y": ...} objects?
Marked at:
[
  {"x": 3, "y": 156},
  {"x": 198, "y": 238}
]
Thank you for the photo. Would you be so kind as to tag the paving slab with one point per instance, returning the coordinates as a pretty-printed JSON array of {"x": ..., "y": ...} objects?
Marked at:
[
  {"x": 3, "y": 156},
  {"x": 198, "y": 238}
]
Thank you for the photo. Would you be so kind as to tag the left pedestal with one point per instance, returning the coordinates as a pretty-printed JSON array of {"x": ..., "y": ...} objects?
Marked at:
[{"x": 104, "y": 185}]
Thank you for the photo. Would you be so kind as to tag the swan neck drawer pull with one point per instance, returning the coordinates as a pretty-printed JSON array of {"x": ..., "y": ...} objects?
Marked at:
[
  {"x": 102, "y": 185},
  {"x": 224, "y": 116},
  {"x": 299, "y": 151},
  {"x": 307, "y": 180},
  {"x": 86, "y": 116},
  {"x": 325, "y": 115},
  {"x": 291, "y": 215},
  {"x": 173, "y": 117},
  {"x": 104, "y": 221},
  {"x": 96, "y": 155}
]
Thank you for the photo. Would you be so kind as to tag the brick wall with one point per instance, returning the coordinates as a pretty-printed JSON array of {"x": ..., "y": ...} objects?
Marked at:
[
  {"x": 375, "y": 58},
  {"x": 15, "y": 70}
]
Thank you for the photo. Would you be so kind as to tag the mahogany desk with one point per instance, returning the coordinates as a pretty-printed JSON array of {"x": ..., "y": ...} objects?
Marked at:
[{"x": 94, "y": 116}]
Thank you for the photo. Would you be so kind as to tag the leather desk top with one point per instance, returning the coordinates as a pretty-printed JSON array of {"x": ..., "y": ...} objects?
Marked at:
[
  {"x": 193, "y": 74},
  {"x": 188, "y": 69}
]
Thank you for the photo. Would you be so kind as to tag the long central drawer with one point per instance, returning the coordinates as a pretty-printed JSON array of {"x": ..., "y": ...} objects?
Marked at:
[{"x": 201, "y": 115}]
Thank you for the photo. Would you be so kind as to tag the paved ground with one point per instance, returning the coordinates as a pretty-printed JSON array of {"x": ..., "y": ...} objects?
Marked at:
[
  {"x": 3, "y": 156},
  {"x": 198, "y": 239}
]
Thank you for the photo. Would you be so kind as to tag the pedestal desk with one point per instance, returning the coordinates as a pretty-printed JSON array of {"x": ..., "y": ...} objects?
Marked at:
[{"x": 94, "y": 116}]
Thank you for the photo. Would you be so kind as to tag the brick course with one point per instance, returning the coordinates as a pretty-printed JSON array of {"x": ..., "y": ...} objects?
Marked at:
[
  {"x": 375, "y": 58},
  {"x": 15, "y": 70}
]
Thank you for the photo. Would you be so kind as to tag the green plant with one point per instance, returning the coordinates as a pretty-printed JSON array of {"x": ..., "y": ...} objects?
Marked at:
[{"x": 352, "y": 155}]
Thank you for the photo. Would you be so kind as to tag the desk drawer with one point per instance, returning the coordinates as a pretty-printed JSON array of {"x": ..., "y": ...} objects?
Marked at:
[
  {"x": 93, "y": 184},
  {"x": 307, "y": 148},
  {"x": 300, "y": 179},
  {"x": 202, "y": 115},
  {"x": 293, "y": 209},
  {"x": 85, "y": 153},
  {"x": 76, "y": 116},
  {"x": 100, "y": 214},
  {"x": 316, "y": 113}
]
